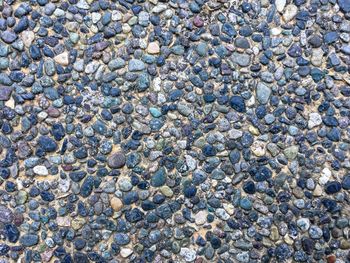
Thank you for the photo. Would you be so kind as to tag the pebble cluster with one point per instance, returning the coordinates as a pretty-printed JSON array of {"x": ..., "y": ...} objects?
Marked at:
[{"x": 174, "y": 131}]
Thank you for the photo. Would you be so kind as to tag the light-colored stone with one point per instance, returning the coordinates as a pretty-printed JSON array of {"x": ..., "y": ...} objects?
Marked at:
[
  {"x": 291, "y": 152},
  {"x": 153, "y": 48},
  {"x": 126, "y": 252},
  {"x": 317, "y": 57},
  {"x": 95, "y": 17},
  {"x": 325, "y": 176},
  {"x": 318, "y": 191},
  {"x": 201, "y": 217},
  {"x": 274, "y": 235},
  {"x": 229, "y": 208},
  {"x": 222, "y": 214},
  {"x": 63, "y": 221},
  {"x": 78, "y": 223},
  {"x": 62, "y": 59},
  {"x": 280, "y": 4},
  {"x": 289, "y": 13},
  {"x": 191, "y": 162},
  {"x": 189, "y": 255},
  {"x": 27, "y": 37},
  {"x": 234, "y": 134},
  {"x": 116, "y": 204},
  {"x": 258, "y": 148},
  {"x": 303, "y": 224},
  {"x": 166, "y": 190},
  {"x": 40, "y": 170},
  {"x": 315, "y": 119}
]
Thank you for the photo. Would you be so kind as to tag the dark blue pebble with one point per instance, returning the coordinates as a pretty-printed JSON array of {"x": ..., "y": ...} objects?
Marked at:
[
  {"x": 190, "y": 191},
  {"x": 87, "y": 186},
  {"x": 249, "y": 187},
  {"x": 346, "y": 182},
  {"x": 47, "y": 144},
  {"x": 209, "y": 150},
  {"x": 238, "y": 104},
  {"x": 332, "y": 187},
  {"x": 134, "y": 215},
  {"x": 12, "y": 233},
  {"x": 4, "y": 249}
]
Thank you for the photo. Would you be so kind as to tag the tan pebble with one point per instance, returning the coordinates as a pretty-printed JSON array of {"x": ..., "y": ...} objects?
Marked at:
[
  {"x": 116, "y": 204},
  {"x": 153, "y": 48},
  {"x": 62, "y": 59}
]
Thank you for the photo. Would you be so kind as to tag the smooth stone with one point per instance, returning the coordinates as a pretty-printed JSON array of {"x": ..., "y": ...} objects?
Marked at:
[
  {"x": 8, "y": 36},
  {"x": 116, "y": 160},
  {"x": 159, "y": 178},
  {"x": 126, "y": 252},
  {"x": 12, "y": 233},
  {"x": 40, "y": 170},
  {"x": 153, "y": 48},
  {"x": 47, "y": 144},
  {"x": 263, "y": 93},
  {"x": 201, "y": 217},
  {"x": 332, "y": 187},
  {"x": 116, "y": 204}
]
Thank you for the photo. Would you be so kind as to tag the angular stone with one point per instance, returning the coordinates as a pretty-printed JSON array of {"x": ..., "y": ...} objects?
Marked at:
[
  {"x": 289, "y": 13},
  {"x": 291, "y": 152},
  {"x": 315, "y": 119},
  {"x": 242, "y": 60},
  {"x": 5, "y": 92},
  {"x": 62, "y": 59},
  {"x": 263, "y": 93}
]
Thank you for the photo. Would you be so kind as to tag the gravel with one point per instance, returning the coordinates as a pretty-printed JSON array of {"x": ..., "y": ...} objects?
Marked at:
[{"x": 174, "y": 131}]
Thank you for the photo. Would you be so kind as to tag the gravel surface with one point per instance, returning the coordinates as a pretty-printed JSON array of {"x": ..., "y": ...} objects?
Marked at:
[{"x": 174, "y": 131}]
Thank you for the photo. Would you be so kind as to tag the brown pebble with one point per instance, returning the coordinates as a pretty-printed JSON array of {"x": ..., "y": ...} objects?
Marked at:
[{"x": 331, "y": 259}]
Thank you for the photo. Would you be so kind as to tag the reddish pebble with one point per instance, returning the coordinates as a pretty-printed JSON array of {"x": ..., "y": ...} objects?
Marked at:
[
  {"x": 67, "y": 167},
  {"x": 198, "y": 22},
  {"x": 53, "y": 112},
  {"x": 18, "y": 219},
  {"x": 331, "y": 259}
]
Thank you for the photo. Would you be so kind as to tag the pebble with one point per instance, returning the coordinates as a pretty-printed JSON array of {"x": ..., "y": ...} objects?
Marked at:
[
  {"x": 40, "y": 170},
  {"x": 289, "y": 12},
  {"x": 315, "y": 120},
  {"x": 280, "y": 4},
  {"x": 62, "y": 59},
  {"x": 153, "y": 48},
  {"x": 116, "y": 160},
  {"x": 187, "y": 254},
  {"x": 263, "y": 93}
]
